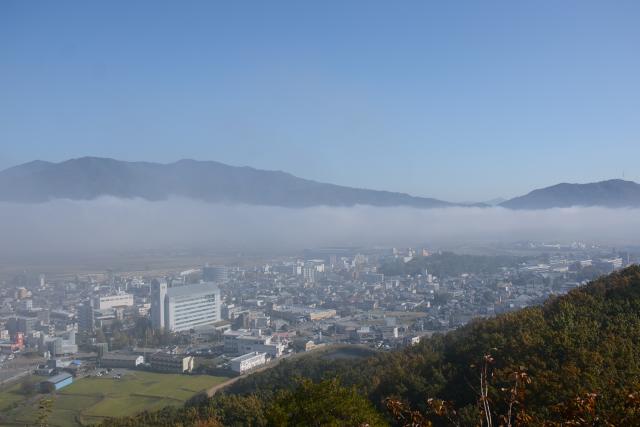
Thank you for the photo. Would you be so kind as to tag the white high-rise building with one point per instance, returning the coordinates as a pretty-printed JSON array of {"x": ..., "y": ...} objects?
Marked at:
[
  {"x": 181, "y": 308},
  {"x": 158, "y": 294}
]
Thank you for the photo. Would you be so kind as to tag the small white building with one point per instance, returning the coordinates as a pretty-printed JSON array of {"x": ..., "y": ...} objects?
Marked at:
[
  {"x": 246, "y": 362},
  {"x": 111, "y": 301}
]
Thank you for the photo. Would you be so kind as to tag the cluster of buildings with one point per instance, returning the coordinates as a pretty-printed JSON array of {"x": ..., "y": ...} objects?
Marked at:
[{"x": 244, "y": 317}]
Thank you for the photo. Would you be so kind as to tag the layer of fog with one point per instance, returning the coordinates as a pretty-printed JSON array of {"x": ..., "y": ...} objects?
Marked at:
[{"x": 110, "y": 224}]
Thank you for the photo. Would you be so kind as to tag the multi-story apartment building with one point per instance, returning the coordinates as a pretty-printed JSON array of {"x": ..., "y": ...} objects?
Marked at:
[{"x": 186, "y": 307}]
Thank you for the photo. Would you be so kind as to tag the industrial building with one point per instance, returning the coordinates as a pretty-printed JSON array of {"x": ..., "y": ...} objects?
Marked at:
[{"x": 56, "y": 382}]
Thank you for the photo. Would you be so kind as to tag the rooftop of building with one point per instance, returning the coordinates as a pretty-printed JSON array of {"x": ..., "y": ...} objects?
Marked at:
[
  {"x": 167, "y": 357},
  {"x": 195, "y": 289},
  {"x": 120, "y": 356},
  {"x": 248, "y": 356},
  {"x": 57, "y": 378}
]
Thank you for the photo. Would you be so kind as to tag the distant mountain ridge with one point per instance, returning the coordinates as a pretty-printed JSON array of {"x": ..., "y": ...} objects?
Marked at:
[
  {"x": 614, "y": 193},
  {"x": 88, "y": 178}
]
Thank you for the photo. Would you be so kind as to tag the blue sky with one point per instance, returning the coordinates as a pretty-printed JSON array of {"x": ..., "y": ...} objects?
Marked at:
[{"x": 457, "y": 100}]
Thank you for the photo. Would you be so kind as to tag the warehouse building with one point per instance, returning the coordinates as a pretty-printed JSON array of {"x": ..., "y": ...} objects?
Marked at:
[{"x": 56, "y": 382}]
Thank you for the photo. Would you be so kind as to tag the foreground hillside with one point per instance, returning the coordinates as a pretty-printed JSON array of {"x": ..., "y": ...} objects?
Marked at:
[{"x": 580, "y": 355}]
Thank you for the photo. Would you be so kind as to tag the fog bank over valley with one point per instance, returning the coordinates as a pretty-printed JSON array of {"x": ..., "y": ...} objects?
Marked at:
[{"x": 111, "y": 224}]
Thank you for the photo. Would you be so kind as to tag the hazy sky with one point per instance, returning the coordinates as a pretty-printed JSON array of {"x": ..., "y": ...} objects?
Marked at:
[{"x": 451, "y": 99}]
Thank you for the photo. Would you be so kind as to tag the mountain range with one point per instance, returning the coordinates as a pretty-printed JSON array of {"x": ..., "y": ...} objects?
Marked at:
[
  {"x": 88, "y": 178},
  {"x": 613, "y": 193}
]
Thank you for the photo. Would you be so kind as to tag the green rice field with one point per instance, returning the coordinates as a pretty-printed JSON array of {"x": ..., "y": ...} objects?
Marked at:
[{"x": 90, "y": 400}]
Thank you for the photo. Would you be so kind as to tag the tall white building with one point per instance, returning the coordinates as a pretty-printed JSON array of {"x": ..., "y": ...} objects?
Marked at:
[
  {"x": 158, "y": 293},
  {"x": 185, "y": 307}
]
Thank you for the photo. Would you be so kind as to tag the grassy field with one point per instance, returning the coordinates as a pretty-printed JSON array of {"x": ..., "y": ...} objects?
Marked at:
[
  {"x": 9, "y": 397},
  {"x": 89, "y": 400}
]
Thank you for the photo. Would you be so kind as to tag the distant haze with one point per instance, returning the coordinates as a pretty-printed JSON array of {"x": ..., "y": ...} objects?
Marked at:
[{"x": 110, "y": 224}]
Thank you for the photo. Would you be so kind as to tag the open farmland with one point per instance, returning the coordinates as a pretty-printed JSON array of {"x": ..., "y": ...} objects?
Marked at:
[{"x": 89, "y": 400}]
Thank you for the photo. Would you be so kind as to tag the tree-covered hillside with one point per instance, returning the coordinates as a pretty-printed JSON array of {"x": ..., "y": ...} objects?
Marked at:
[{"x": 580, "y": 354}]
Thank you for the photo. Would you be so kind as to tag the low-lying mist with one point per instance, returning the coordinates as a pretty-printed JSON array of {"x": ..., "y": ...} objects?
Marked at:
[{"x": 110, "y": 224}]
